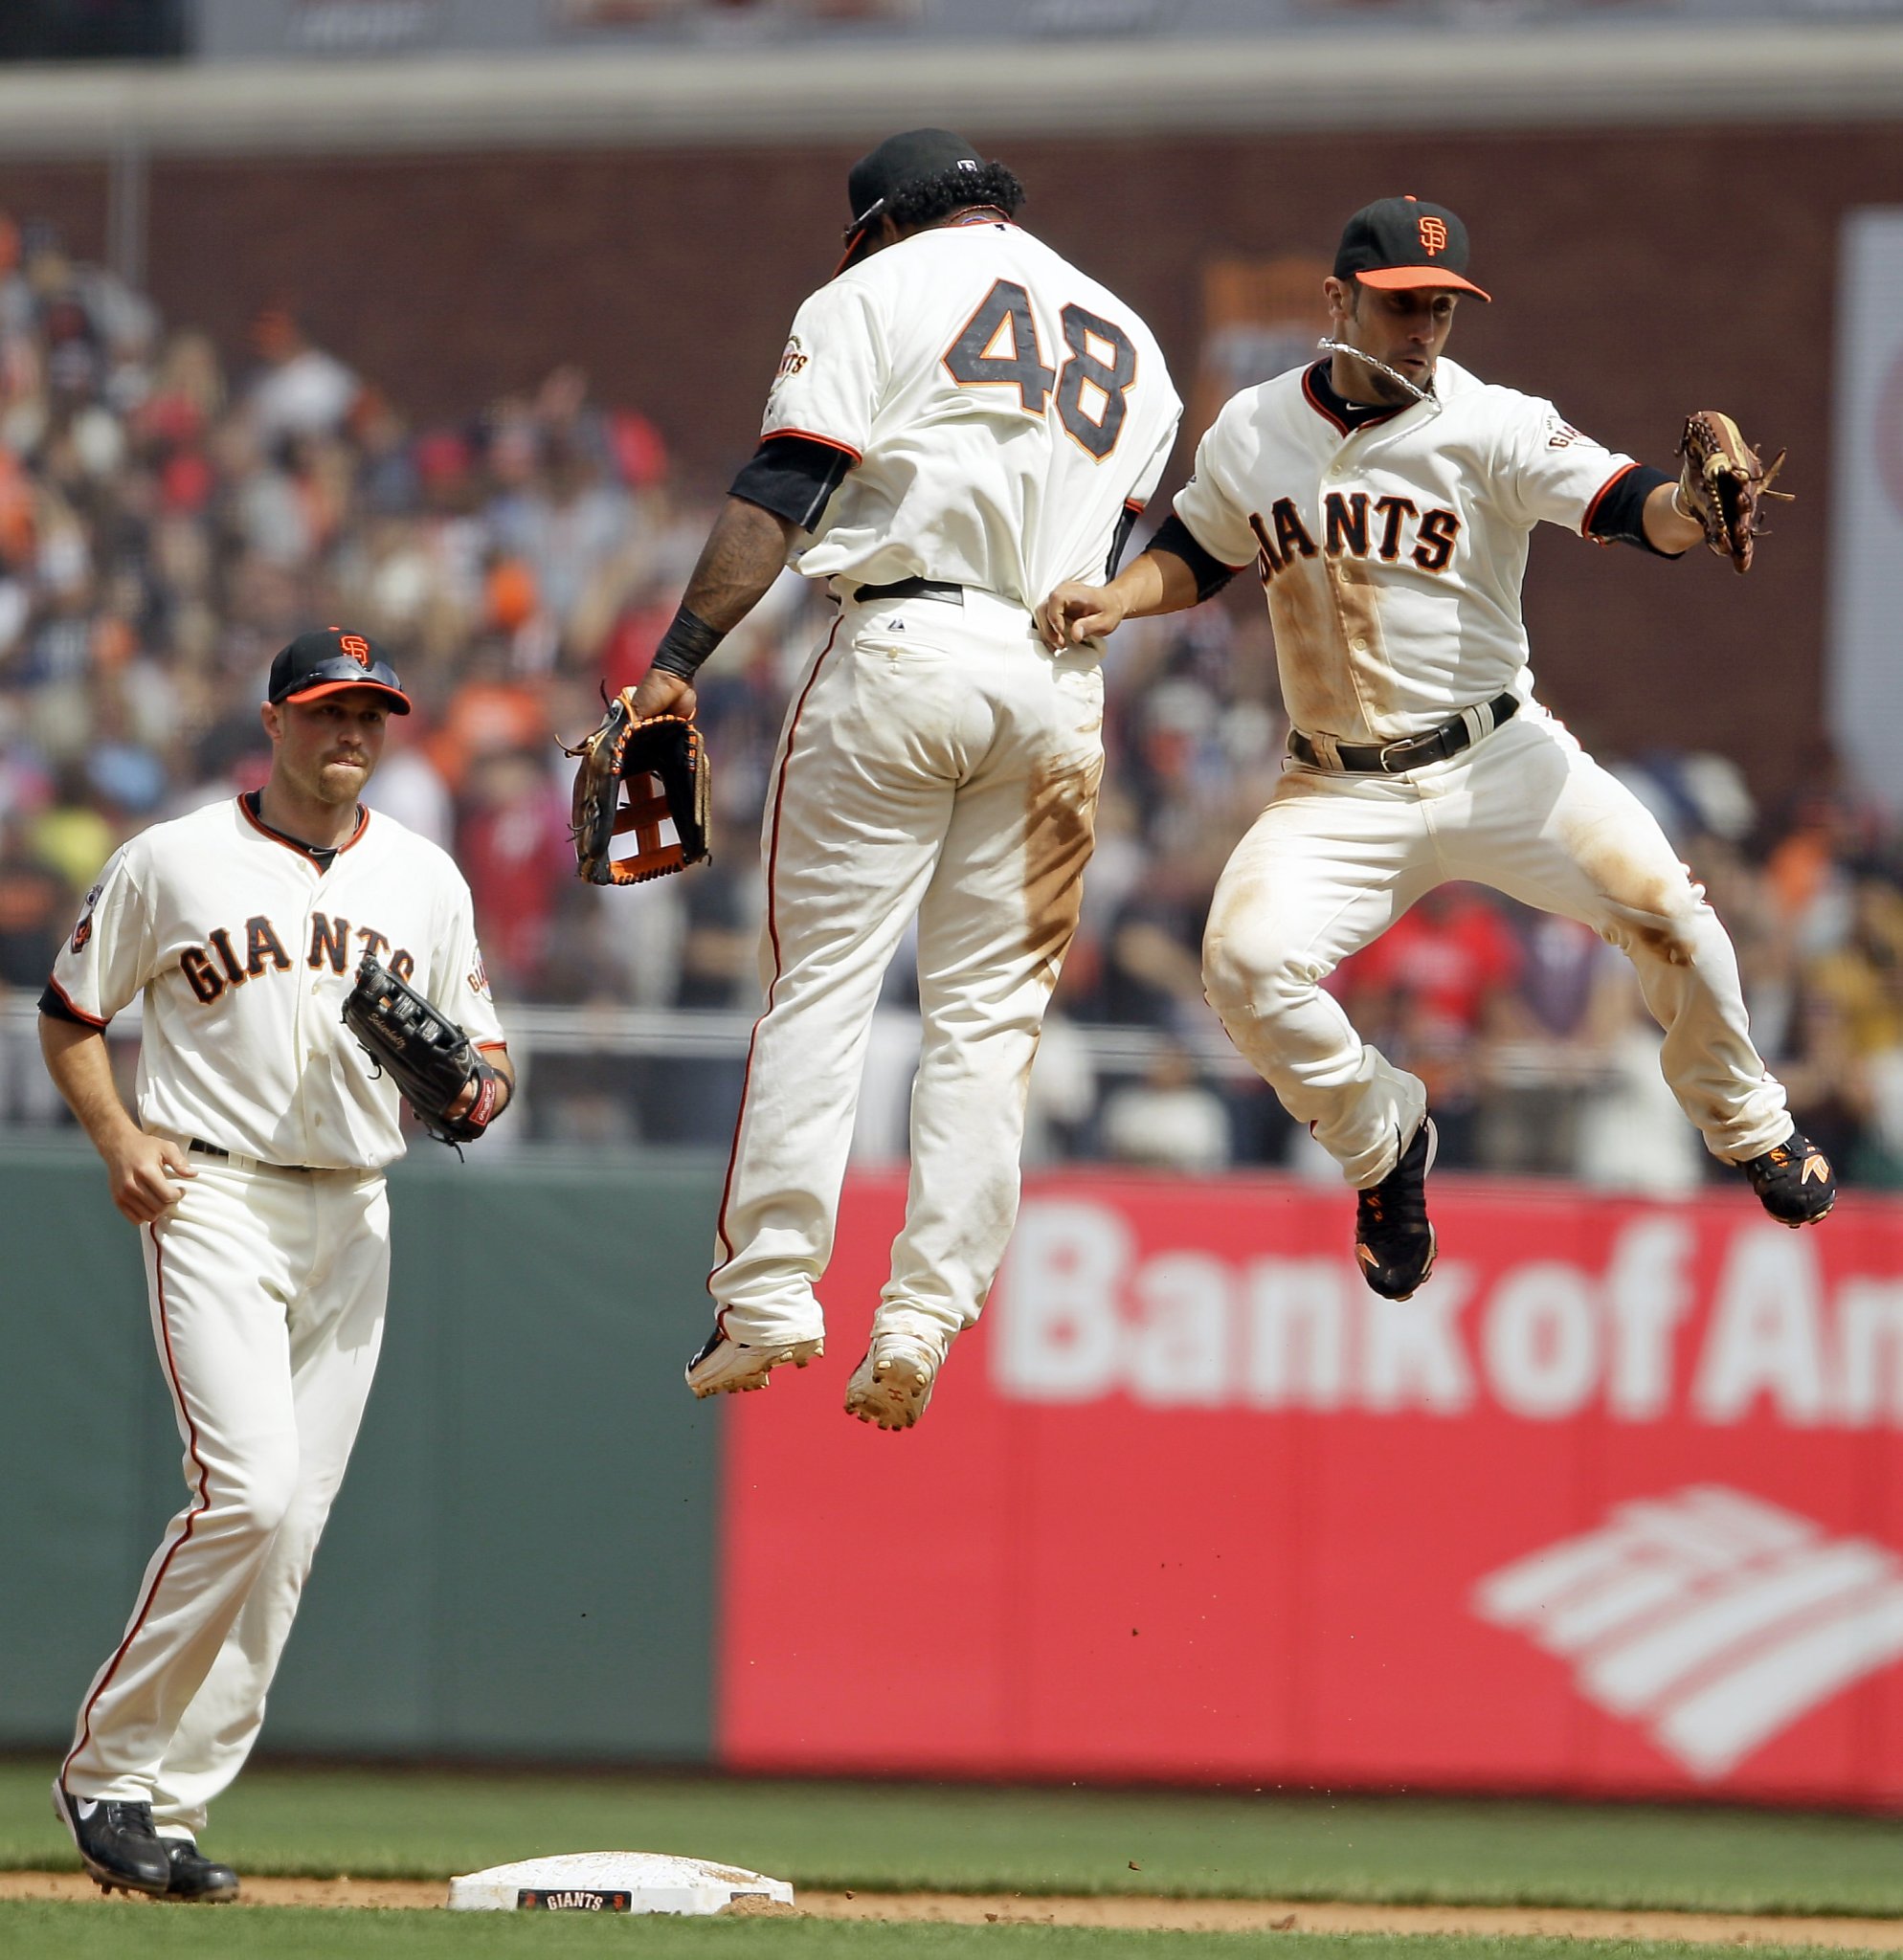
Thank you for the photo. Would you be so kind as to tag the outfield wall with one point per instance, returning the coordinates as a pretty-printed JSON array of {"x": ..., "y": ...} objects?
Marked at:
[
  {"x": 520, "y": 1563},
  {"x": 1613, "y": 1505}
]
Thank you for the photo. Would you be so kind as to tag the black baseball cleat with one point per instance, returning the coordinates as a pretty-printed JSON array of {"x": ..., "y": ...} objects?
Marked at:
[
  {"x": 1393, "y": 1240},
  {"x": 116, "y": 1842},
  {"x": 197, "y": 1877},
  {"x": 1793, "y": 1180}
]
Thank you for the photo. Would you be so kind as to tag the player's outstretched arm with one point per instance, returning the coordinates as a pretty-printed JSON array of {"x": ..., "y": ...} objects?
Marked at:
[
  {"x": 1156, "y": 582},
  {"x": 745, "y": 553},
  {"x": 1668, "y": 528},
  {"x": 140, "y": 1169}
]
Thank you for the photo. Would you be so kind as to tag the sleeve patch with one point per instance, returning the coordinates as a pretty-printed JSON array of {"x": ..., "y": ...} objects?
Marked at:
[
  {"x": 479, "y": 978},
  {"x": 84, "y": 930},
  {"x": 791, "y": 361}
]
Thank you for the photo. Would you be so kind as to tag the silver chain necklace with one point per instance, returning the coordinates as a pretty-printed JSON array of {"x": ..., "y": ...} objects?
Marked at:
[{"x": 1420, "y": 394}]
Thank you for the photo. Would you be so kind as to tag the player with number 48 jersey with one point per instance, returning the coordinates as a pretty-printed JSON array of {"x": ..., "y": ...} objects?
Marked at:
[
  {"x": 960, "y": 418},
  {"x": 1000, "y": 412}
]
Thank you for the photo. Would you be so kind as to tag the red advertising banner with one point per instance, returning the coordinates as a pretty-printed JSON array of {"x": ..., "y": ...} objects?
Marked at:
[{"x": 1613, "y": 1505}]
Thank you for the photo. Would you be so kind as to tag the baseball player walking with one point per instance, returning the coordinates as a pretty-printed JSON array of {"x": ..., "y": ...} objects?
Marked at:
[
  {"x": 961, "y": 419},
  {"x": 1386, "y": 498},
  {"x": 254, "y": 1173}
]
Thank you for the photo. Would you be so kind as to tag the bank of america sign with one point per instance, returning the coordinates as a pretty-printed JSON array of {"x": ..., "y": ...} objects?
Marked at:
[{"x": 1709, "y": 1617}]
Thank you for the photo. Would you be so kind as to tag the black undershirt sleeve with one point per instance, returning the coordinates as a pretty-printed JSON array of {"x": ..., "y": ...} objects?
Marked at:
[
  {"x": 1126, "y": 525},
  {"x": 1175, "y": 536},
  {"x": 50, "y": 1003},
  {"x": 1619, "y": 517},
  {"x": 794, "y": 477}
]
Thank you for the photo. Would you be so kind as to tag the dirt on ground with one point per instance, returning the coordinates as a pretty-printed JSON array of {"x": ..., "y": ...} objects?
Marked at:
[{"x": 1127, "y": 1911}]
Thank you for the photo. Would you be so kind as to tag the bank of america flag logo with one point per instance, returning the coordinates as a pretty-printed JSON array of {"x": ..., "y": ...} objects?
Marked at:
[{"x": 1710, "y": 1617}]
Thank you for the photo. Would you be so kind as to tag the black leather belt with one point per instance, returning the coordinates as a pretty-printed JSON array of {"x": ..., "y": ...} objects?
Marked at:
[
  {"x": 206, "y": 1149},
  {"x": 913, "y": 589},
  {"x": 1412, "y": 752}
]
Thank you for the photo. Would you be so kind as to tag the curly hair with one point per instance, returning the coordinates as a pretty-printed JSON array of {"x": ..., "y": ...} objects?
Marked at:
[{"x": 933, "y": 198}]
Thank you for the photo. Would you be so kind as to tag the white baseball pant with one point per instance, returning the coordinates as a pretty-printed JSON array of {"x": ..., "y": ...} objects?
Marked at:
[
  {"x": 938, "y": 759},
  {"x": 267, "y": 1292},
  {"x": 1335, "y": 860}
]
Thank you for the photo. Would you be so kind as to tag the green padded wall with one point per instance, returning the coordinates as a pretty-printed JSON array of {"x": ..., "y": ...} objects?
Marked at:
[{"x": 522, "y": 1559}]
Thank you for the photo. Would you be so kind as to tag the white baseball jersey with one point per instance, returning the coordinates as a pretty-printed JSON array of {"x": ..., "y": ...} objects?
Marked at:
[
  {"x": 244, "y": 947},
  {"x": 1392, "y": 552},
  {"x": 1001, "y": 411}
]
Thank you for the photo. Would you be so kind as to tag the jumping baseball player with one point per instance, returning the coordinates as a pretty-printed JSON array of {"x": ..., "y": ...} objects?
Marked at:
[
  {"x": 254, "y": 1171},
  {"x": 1386, "y": 496},
  {"x": 960, "y": 420}
]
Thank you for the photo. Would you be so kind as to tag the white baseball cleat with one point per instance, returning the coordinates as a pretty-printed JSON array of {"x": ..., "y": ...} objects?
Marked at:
[
  {"x": 893, "y": 1384},
  {"x": 731, "y": 1367}
]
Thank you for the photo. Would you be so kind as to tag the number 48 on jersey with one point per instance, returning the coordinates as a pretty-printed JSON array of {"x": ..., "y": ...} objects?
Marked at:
[{"x": 999, "y": 349}]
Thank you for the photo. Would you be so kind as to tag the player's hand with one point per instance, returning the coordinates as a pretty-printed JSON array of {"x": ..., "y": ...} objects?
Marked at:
[
  {"x": 1075, "y": 613},
  {"x": 465, "y": 1100},
  {"x": 143, "y": 1175},
  {"x": 662, "y": 693}
]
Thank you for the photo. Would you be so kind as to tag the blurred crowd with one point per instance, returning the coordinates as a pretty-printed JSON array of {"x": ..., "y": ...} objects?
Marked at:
[{"x": 171, "y": 513}]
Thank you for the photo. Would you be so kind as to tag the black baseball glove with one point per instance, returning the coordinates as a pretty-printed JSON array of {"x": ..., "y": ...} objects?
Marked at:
[
  {"x": 428, "y": 1057},
  {"x": 663, "y": 762}
]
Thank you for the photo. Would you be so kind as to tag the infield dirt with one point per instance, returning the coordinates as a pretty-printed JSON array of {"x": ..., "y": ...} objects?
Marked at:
[{"x": 1159, "y": 1915}]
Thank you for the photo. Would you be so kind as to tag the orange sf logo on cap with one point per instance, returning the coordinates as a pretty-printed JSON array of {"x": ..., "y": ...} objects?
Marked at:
[
  {"x": 1433, "y": 235},
  {"x": 357, "y": 647}
]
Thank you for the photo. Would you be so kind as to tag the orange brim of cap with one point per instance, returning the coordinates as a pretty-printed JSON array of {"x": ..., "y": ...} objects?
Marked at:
[
  {"x": 396, "y": 694},
  {"x": 855, "y": 246},
  {"x": 1404, "y": 279}
]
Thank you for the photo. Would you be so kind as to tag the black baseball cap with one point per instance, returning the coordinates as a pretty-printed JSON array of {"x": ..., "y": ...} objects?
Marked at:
[
  {"x": 1399, "y": 242},
  {"x": 911, "y": 157},
  {"x": 326, "y": 660}
]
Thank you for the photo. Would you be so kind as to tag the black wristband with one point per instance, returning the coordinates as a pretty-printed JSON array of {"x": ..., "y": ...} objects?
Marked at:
[{"x": 685, "y": 645}]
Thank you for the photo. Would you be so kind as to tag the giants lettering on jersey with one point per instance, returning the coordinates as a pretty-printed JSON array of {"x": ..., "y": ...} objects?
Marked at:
[
  {"x": 264, "y": 953},
  {"x": 1357, "y": 525}
]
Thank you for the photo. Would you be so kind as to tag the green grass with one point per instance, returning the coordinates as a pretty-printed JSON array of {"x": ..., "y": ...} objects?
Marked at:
[
  {"x": 106, "y": 1933},
  {"x": 430, "y": 1824}
]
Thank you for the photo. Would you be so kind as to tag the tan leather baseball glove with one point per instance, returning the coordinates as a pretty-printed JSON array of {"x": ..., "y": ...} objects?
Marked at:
[
  {"x": 662, "y": 765},
  {"x": 1723, "y": 484}
]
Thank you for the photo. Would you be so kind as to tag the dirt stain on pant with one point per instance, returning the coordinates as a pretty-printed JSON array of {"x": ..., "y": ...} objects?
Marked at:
[
  {"x": 1059, "y": 833},
  {"x": 1642, "y": 909}
]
